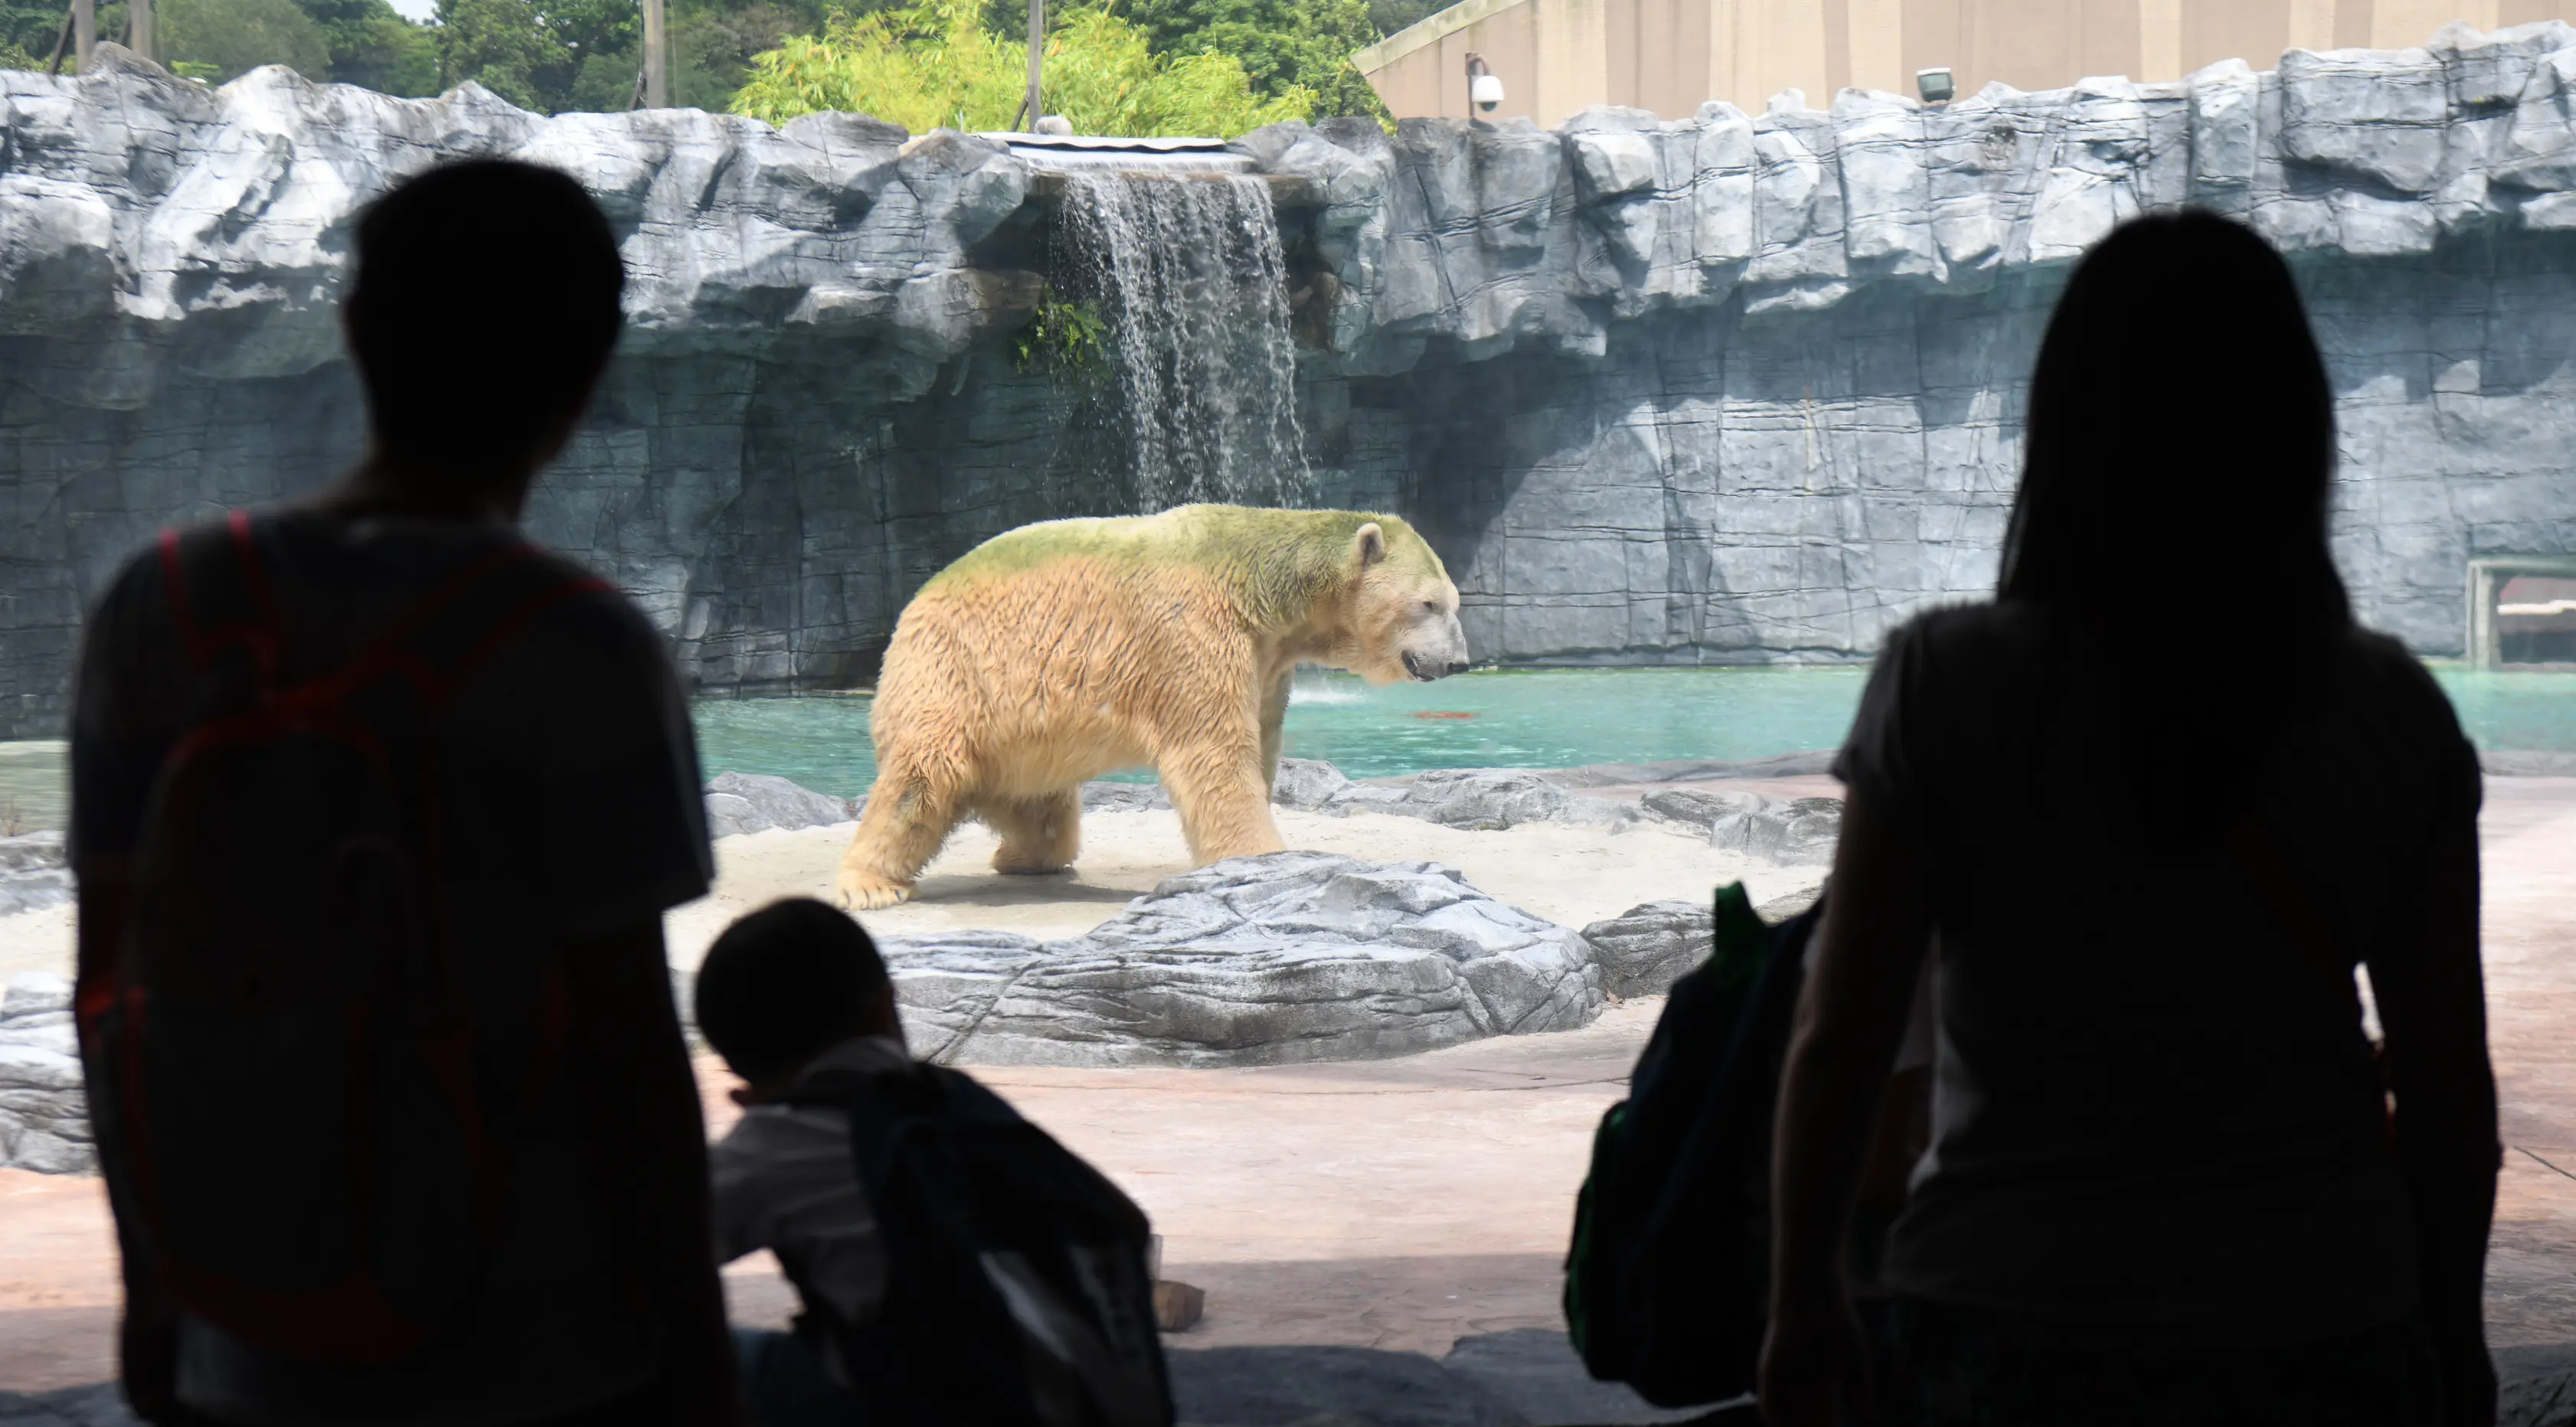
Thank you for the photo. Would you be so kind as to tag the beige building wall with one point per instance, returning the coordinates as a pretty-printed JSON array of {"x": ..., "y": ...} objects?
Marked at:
[{"x": 1559, "y": 56}]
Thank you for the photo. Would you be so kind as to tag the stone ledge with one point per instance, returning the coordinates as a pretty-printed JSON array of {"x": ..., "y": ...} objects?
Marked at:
[
  {"x": 44, "y": 1107},
  {"x": 1285, "y": 957}
]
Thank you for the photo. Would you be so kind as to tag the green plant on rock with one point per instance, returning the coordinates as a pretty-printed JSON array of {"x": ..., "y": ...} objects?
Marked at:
[{"x": 1066, "y": 339}]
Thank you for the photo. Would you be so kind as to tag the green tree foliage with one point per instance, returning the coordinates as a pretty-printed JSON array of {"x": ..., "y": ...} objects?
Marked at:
[
  {"x": 546, "y": 55},
  {"x": 226, "y": 39},
  {"x": 374, "y": 46},
  {"x": 935, "y": 63},
  {"x": 1114, "y": 66},
  {"x": 1282, "y": 44},
  {"x": 364, "y": 42},
  {"x": 1390, "y": 16},
  {"x": 713, "y": 42},
  {"x": 27, "y": 31}
]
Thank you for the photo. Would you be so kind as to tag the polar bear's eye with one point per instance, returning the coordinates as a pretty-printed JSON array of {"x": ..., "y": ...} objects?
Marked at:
[{"x": 1429, "y": 607}]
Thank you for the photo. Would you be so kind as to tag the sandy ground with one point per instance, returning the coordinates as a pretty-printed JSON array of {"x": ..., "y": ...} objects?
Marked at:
[
  {"x": 36, "y": 941},
  {"x": 1406, "y": 1203}
]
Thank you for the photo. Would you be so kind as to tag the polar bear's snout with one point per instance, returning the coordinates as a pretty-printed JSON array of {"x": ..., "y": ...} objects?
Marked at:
[
  {"x": 1425, "y": 670},
  {"x": 1436, "y": 648}
]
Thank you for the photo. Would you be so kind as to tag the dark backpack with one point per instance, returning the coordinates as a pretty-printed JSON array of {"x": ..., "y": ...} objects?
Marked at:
[
  {"x": 1017, "y": 1290},
  {"x": 1668, "y": 1280},
  {"x": 290, "y": 1080}
]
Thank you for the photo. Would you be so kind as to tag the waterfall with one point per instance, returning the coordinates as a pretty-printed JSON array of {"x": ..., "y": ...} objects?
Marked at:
[{"x": 1190, "y": 278}]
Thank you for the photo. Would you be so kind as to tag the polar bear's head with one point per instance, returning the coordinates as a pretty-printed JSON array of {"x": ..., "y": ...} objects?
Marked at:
[{"x": 1403, "y": 612}]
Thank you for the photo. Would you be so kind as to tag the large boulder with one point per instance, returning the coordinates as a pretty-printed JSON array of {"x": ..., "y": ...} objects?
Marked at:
[
  {"x": 1307, "y": 784},
  {"x": 44, "y": 1110},
  {"x": 1644, "y": 950},
  {"x": 1123, "y": 797},
  {"x": 1486, "y": 799},
  {"x": 1798, "y": 832},
  {"x": 760, "y": 802},
  {"x": 1289, "y": 956},
  {"x": 33, "y": 872}
]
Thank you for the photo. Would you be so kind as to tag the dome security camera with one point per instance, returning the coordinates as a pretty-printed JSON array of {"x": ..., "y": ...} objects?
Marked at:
[{"x": 1484, "y": 88}]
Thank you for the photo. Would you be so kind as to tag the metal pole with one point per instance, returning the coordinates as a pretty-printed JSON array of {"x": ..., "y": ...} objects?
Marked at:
[
  {"x": 62, "y": 42},
  {"x": 1031, "y": 111},
  {"x": 657, "y": 56},
  {"x": 84, "y": 31},
  {"x": 138, "y": 28}
]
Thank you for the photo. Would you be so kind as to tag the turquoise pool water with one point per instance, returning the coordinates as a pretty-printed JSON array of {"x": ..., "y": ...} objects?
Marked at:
[
  {"x": 1539, "y": 718},
  {"x": 1527, "y": 718}
]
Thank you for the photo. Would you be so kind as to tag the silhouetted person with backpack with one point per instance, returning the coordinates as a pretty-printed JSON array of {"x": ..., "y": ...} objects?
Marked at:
[
  {"x": 955, "y": 1264},
  {"x": 376, "y": 811},
  {"x": 2156, "y": 799}
]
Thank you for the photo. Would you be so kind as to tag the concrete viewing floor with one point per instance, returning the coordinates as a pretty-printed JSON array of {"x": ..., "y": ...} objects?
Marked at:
[{"x": 1405, "y": 1204}]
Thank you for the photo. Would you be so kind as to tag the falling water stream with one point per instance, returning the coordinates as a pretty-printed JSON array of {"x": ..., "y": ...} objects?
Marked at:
[{"x": 1191, "y": 280}]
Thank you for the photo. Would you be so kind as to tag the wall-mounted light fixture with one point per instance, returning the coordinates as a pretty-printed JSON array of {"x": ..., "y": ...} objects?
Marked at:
[
  {"x": 1934, "y": 85},
  {"x": 1484, "y": 88}
]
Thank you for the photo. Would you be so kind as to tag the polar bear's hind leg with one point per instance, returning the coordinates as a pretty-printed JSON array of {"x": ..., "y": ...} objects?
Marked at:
[
  {"x": 1041, "y": 833},
  {"x": 907, "y": 818}
]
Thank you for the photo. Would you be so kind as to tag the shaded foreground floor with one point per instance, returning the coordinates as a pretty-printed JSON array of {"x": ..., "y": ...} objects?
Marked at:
[{"x": 1403, "y": 1206}]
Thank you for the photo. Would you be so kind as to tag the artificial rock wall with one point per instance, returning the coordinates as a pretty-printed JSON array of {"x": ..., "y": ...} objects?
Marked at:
[{"x": 1719, "y": 389}]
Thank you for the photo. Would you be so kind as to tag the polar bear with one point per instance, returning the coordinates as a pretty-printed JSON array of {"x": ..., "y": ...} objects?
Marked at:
[{"x": 1057, "y": 652}]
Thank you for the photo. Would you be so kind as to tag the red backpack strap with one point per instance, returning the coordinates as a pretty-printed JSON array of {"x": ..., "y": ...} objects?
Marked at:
[
  {"x": 484, "y": 609},
  {"x": 220, "y": 597},
  {"x": 440, "y": 639}
]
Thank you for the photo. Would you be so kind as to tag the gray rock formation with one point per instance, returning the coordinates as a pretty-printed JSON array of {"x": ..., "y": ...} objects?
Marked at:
[
  {"x": 1691, "y": 770},
  {"x": 34, "y": 872},
  {"x": 1307, "y": 784},
  {"x": 1789, "y": 904},
  {"x": 44, "y": 1110},
  {"x": 759, "y": 802},
  {"x": 2514, "y": 763},
  {"x": 1801, "y": 831},
  {"x": 1481, "y": 799},
  {"x": 98, "y": 1405},
  {"x": 1644, "y": 950},
  {"x": 1730, "y": 387},
  {"x": 2536, "y": 1386},
  {"x": 1124, "y": 797},
  {"x": 1331, "y": 1386},
  {"x": 1291, "y": 956}
]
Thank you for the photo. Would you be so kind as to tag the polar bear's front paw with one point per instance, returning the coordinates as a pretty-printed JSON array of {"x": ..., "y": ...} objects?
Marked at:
[{"x": 860, "y": 893}]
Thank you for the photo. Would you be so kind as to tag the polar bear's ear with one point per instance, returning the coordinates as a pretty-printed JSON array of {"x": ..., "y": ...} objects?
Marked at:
[{"x": 1368, "y": 544}]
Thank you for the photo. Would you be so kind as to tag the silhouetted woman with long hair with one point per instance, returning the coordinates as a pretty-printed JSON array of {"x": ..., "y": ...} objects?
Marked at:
[{"x": 2147, "y": 809}]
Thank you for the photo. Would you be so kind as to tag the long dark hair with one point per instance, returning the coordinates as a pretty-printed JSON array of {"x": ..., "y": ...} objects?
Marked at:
[{"x": 2178, "y": 466}]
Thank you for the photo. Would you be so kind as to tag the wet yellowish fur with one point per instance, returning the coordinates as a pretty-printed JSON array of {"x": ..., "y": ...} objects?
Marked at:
[{"x": 1061, "y": 651}]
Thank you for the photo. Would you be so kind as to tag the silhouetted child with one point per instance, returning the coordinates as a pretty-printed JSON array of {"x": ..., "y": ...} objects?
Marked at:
[
  {"x": 956, "y": 1264},
  {"x": 787, "y": 993}
]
